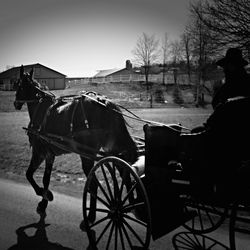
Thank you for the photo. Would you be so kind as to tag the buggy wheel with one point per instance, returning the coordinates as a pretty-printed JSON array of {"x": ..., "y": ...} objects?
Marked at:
[
  {"x": 120, "y": 193},
  {"x": 190, "y": 241},
  {"x": 208, "y": 216},
  {"x": 239, "y": 226}
]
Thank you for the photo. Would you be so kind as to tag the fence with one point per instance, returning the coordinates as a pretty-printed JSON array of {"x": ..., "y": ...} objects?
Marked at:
[{"x": 157, "y": 78}]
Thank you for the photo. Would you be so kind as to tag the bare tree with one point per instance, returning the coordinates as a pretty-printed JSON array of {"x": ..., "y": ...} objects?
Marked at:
[
  {"x": 165, "y": 56},
  {"x": 203, "y": 48},
  {"x": 176, "y": 52},
  {"x": 187, "y": 47},
  {"x": 146, "y": 53},
  {"x": 229, "y": 20},
  {"x": 177, "y": 57}
]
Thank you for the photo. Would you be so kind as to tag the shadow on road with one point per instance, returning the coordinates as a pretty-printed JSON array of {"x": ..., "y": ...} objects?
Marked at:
[
  {"x": 38, "y": 241},
  {"x": 191, "y": 241}
]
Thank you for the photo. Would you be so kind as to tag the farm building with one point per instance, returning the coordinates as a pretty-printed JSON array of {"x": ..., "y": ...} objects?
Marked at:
[
  {"x": 115, "y": 75},
  {"x": 130, "y": 74},
  {"x": 47, "y": 77}
]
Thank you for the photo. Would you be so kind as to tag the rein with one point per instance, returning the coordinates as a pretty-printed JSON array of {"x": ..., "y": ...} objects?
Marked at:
[{"x": 136, "y": 117}]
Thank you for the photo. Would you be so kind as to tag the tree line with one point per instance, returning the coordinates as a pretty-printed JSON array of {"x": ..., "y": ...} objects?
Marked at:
[{"x": 213, "y": 27}]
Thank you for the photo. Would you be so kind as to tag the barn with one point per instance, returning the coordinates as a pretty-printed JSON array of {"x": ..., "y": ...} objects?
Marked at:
[
  {"x": 47, "y": 77},
  {"x": 126, "y": 74}
]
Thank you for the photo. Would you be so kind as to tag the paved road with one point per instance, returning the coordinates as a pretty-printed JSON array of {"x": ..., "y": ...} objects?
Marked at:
[
  {"x": 17, "y": 214},
  {"x": 59, "y": 230}
]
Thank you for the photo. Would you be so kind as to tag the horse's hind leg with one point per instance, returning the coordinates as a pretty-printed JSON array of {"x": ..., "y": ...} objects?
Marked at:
[{"x": 87, "y": 166}]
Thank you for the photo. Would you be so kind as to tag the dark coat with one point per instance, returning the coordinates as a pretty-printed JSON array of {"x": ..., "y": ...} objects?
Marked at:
[{"x": 237, "y": 84}]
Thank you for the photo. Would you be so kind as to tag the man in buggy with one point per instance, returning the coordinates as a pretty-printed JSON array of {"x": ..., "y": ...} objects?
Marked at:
[
  {"x": 221, "y": 146},
  {"x": 237, "y": 81}
]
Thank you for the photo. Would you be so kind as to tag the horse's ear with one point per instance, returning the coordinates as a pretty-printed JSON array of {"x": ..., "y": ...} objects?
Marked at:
[
  {"x": 21, "y": 71},
  {"x": 31, "y": 73}
]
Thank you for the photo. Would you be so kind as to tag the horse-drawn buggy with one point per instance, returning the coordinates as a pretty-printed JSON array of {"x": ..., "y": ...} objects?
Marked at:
[{"x": 138, "y": 188}]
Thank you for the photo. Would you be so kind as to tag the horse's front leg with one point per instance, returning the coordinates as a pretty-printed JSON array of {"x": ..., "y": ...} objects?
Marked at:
[
  {"x": 35, "y": 162},
  {"x": 46, "y": 193}
]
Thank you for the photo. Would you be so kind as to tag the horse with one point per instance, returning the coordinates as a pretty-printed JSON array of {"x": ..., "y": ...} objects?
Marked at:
[{"x": 100, "y": 126}]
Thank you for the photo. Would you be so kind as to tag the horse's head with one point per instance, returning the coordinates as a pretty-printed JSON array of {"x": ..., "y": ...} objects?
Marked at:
[{"x": 27, "y": 89}]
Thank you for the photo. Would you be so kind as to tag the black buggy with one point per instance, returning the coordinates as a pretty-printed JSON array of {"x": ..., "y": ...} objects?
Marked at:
[{"x": 193, "y": 179}]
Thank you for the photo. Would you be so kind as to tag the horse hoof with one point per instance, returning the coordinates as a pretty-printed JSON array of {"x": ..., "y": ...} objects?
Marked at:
[
  {"x": 41, "y": 208},
  {"x": 83, "y": 225},
  {"x": 47, "y": 195}
]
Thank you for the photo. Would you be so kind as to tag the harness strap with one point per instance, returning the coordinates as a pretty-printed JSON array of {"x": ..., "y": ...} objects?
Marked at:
[
  {"x": 75, "y": 101},
  {"x": 35, "y": 112},
  {"x": 84, "y": 114},
  {"x": 47, "y": 113},
  {"x": 85, "y": 120}
]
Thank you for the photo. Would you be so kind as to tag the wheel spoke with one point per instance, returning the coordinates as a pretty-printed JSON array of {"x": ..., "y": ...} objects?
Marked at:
[
  {"x": 127, "y": 236},
  {"x": 100, "y": 199},
  {"x": 129, "y": 193},
  {"x": 121, "y": 237},
  {"x": 107, "y": 184},
  {"x": 130, "y": 207},
  {"x": 122, "y": 184},
  {"x": 112, "y": 170},
  {"x": 187, "y": 242},
  {"x": 103, "y": 232},
  {"x": 99, "y": 221},
  {"x": 103, "y": 191},
  {"x": 133, "y": 231},
  {"x": 110, "y": 235},
  {"x": 200, "y": 218},
  {"x": 210, "y": 247},
  {"x": 135, "y": 220},
  {"x": 102, "y": 210},
  {"x": 195, "y": 242},
  {"x": 116, "y": 236},
  {"x": 209, "y": 217}
]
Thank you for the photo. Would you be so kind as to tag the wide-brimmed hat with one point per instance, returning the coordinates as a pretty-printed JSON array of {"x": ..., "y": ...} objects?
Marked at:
[{"x": 233, "y": 56}]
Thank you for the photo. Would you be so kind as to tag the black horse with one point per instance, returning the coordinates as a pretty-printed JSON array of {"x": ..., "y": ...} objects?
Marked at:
[{"x": 98, "y": 126}]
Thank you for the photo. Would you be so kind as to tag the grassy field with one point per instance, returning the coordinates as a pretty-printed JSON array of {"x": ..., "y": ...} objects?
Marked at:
[{"x": 15, "y": 151}]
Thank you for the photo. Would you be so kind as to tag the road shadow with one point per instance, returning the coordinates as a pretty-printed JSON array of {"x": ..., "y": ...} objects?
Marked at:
[
  {"x": 38, "y": 241},
  {"x": 191, "y": 241}
]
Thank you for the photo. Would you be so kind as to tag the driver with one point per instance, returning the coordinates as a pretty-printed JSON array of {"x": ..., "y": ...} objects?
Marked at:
[{"x": 237, "y": 81}]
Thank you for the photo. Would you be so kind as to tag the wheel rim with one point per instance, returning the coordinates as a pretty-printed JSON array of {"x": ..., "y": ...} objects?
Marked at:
[
  {"x": 116, "y": 227},
  {"x": 190, "y": 241},
  {"x": 208, "y": 216},
  {"x": 239, "y": 226}
]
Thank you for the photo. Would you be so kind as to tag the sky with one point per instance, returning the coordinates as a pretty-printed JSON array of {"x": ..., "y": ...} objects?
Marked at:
[{"x": 80, "y": 37}]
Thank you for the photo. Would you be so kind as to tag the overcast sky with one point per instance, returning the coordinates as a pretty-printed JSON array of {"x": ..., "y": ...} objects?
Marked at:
[{"x": 79, "y": 37}]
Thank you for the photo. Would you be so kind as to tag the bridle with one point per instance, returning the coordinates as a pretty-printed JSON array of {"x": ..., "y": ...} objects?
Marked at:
[{"x": 39, "y": 97}]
